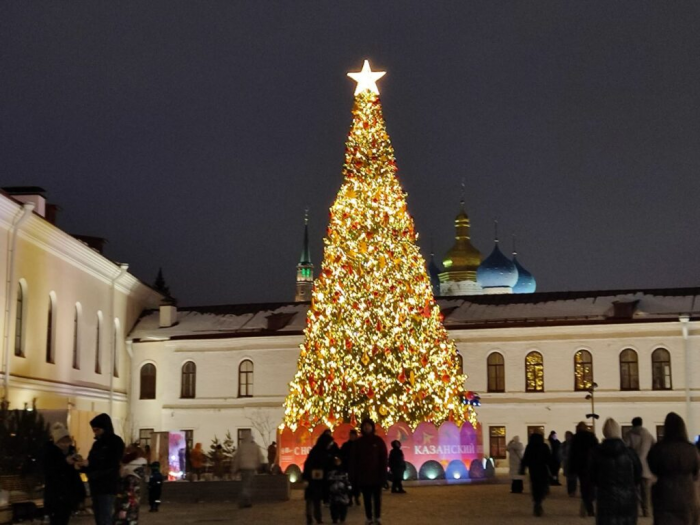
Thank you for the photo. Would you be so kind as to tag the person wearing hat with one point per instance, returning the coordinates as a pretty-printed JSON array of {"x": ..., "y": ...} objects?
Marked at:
[
  {"x": 103, "y": 468},
  {"x": 370, "y": 464},
  {"x": 63, "y": 488}
]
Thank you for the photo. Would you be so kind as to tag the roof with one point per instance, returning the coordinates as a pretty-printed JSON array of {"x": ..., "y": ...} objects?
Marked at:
[{"x": 474, "y": 311}]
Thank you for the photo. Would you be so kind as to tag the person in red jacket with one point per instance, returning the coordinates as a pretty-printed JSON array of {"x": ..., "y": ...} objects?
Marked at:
[{"x": 370, "y": 467}]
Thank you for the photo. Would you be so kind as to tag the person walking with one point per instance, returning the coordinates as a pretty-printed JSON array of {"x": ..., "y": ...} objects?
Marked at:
[
  {"x": 565, "y": 459},
  {"x": 536, "y": 460},
  {"x": 555, "y": 462},
  {"x": 347, "y": 453},
  {"x": 63, "y": 490},
  {"x": 583, "y": 447},
  {"x": 103, "y": 468},
  {"x": 218, "y": 457},
  {"x": 155, "y": 487},
  {"x": 675, "y": 463},
  {"x": 315, "y": 475},
  {"x": 370, "y": 464},
  {"x": 197, "y": 459},
  {"x": 515, "y": 451},
  {"x": 640, "y": 440},
  {"x": 397, "y": 467},
  {"x": 247, "y": 461},
  {"x": 616, "y": 473},
  {"x": 272, "y": 457},
  {"x": 128, "y": 501}
]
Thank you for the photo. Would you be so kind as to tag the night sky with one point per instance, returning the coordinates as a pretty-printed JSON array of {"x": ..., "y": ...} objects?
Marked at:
[{"x": 192, "y": 135}]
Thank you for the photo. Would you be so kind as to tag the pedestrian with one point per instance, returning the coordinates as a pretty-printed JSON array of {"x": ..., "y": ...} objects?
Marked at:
[
  {"x": 63, "y": 489},
  {"x": 197, "y": 459},
  {"x": 247, "y": 461},
  {"x": 583, "y": 447},
  {"x": 555, "y": 464},
  {"x": 155, "y": 487},
  {"x": 515, "y": 451},
  {"x": 315, "y": 475},
  {"x": 339, "y": 490},
  {"x": 616, "y": 473},
  {"x": 537, "y": 459},
  {"x": 347, "y": 453},
  {"x": 218, "y": 458},
  {"x": 272, "y": 457},
  {"x": 565, "y": 459},
  {"x": 397, "y": 467},
  {"x": 370, "y": 462},
  {"x": 103, "y": 468},
  {"x": 128, "y": 499},
  {"x": 675, "y": 463},
  {"x": 640, "y": 440}
]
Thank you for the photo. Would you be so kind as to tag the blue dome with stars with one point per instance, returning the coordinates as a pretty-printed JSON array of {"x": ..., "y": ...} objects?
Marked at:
[
  {"x": 497, "y": 271},
  {"x": 526, "y": 281}
]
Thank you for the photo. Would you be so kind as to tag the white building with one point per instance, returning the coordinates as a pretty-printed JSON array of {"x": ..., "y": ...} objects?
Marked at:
[
  {"x": 66, "y": 310},
  {"x": 209, "y": 370}
]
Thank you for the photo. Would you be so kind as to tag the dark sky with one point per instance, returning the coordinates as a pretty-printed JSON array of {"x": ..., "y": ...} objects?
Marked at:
[{"x": 193, "y": 134}]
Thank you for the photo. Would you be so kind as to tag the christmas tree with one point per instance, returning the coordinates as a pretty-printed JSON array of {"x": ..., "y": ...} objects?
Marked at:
[{"x": 374, "y": 342}]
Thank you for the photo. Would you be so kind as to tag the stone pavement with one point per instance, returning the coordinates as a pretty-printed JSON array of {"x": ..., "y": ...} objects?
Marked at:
[{"x": 482, "y": 504}]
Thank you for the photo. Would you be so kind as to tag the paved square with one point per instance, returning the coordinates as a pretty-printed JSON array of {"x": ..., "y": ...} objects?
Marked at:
[{"x": 490, "y": 504}]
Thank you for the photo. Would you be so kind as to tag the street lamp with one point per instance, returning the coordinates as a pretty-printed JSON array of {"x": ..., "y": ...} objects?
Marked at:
[{"x": 591, "y": 395}]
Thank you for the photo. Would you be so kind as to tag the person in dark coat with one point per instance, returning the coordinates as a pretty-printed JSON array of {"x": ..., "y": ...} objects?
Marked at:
[
  {"x": 555, "y": 463},
  {"x": 370, "y": 465},
  {"x": 315, "y": 475},
  {"x": 616, "y": 473},
  {"x": 397, "y": 467},
  {"x": 103, "y": 468},
  {"x": 347, "y": 454},
  {"x": 155, "y": 487},
  {"x": 565, "y": 454},
  {"x": 675, "y": 463},
  {"x": 63, "y": 489},
  {"x": 536, "y": 460},
  {"x": 583, "y": 448}
]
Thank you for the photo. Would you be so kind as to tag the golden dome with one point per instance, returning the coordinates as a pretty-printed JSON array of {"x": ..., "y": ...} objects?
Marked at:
[{"x": 462, "y": 257}]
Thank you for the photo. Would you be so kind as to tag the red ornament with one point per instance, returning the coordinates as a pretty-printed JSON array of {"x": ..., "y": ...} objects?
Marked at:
[
  {"x": 402, "y": 376},
  {"x": 445, "y": 378}
]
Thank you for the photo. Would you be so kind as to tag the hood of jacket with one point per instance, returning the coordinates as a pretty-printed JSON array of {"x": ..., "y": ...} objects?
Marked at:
[
  {"x": 104, "y": 422},
  {"x": 135, "y": 467}
]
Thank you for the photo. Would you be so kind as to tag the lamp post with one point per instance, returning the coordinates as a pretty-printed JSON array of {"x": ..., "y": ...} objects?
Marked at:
[{"x": 591, "y": 395}]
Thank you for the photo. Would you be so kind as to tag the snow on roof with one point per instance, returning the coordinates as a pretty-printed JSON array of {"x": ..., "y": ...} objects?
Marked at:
[{"x": 536, "y": 309}]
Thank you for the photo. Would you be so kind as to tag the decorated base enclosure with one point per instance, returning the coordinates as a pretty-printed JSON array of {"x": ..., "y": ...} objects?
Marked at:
[{"x": 445, "y": 452}]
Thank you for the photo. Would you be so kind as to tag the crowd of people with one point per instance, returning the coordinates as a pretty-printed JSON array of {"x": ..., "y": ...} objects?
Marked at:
[
  {"x": 618, "y": 477},
  {"x": 337, "y": 476}
]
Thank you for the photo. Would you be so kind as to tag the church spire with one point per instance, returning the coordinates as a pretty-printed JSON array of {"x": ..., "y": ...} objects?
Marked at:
[{"x": 305, "y": 268}]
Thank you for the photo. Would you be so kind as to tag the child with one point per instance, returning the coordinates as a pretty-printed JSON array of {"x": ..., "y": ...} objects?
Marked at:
[
  {"x": 397, "y": 466},
  {"x": 339, "y": 490},
  {"x": 129, "y": 497},
  {"x": 155, "y": 486}
]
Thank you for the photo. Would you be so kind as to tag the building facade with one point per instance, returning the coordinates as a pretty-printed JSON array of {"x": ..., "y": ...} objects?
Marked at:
[
  {"x": 67, "y": 310},
  {"x": 532, "y": 357}
]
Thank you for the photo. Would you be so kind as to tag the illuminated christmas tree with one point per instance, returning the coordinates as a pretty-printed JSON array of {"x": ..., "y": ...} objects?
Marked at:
[{"x": 374, "y": 342}]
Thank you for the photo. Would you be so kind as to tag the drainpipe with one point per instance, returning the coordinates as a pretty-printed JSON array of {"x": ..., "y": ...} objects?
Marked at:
[
  {"x": 123, "y": 267},
  {"x": 688, "y": 374},
  {"x": 24, "y": 214}
]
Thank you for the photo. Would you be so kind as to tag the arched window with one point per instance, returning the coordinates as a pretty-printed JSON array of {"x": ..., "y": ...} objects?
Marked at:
[
  {"x": 98, "y": 345},
  {"x": 629, "y": 370},
  {"x": 148, "y": 381},
  {"x": 115, "y": 348},
  {"x": 20, "y": 319},
  {"x": 661, "y": 370},
  {"x": 76, "y": 336},
  {"x": 188, "y": 383},
  {"x": 51, "y": 330},
  {"x": 534, "y": 372},
  {"x": 496, "y": 373},
  {"x": 460, "y": 363},
  {"x": 245, "y": 379},
  {"x": 583, "y": 370}
]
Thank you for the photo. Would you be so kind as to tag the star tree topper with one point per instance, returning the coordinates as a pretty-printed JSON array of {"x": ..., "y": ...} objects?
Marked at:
[{"x": 366, "y": 79}]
